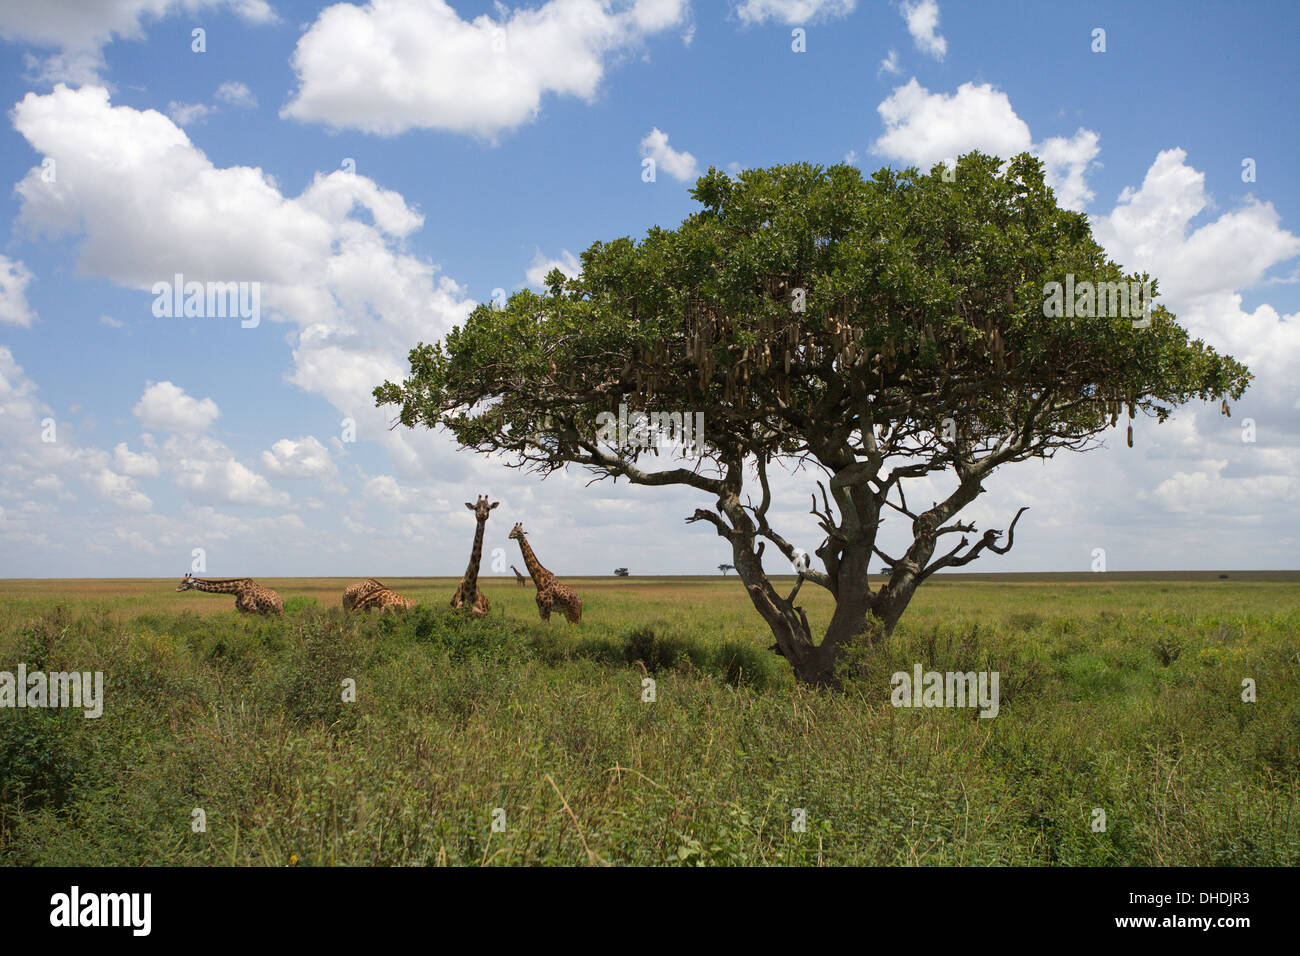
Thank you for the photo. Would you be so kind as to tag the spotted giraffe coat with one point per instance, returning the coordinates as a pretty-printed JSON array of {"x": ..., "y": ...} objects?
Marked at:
[
  {"x": 385, "y": 599},
  {"x": 468, "y": 589},
  {"x": 356, "y": 592},
  {"x": 250, "y": 597},
  {"x": 550, "y": 592}
]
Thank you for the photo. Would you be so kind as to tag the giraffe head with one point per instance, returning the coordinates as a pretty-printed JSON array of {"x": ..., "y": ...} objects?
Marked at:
[
  {"x": 482, "y": 508},
  {"x": 186, "y": 584},
  {"x": 518, "y": 532}
]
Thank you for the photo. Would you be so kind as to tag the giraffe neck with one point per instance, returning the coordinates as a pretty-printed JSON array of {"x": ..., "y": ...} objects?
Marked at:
[
  {"x": 233, "y": 586},
  {"x": 475, "y": 556},
  {"x": 540, "y": 575}
]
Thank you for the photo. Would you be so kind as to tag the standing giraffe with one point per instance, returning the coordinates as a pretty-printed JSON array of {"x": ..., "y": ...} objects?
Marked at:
[
  {"x": 250, "y": 597},
  {"x": 519, "y": 578},
  {"x": 549, "y": 590},
  {"x": 468, "y": 587}
]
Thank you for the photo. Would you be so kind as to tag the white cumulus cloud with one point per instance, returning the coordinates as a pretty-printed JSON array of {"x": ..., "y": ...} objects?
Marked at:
[
  {"x": 14, "y": 278},
  {"x": 304, "y": 458},
  {"x": 541, "y": 267},
  {"x": 923, "y": 128},
  {"x": 680, "y": 165},
  {"x": 1202, "y": 270},
  {"x": 922, "y": 18},
  {"x": 187, "y": 114},
  {"x": 234, "y": 93},
  {"x": 30, "y": 458},
  {"x": 210, "y": 473},
  {"x": 793, "y": 12},
  {"x": 392, "y": 65},
  {"x": 166, "y": 406},
  {"x": 80, "y": 29},
  {"x": 137, "y": 465},
  {"x": 1066, "y": 162}
]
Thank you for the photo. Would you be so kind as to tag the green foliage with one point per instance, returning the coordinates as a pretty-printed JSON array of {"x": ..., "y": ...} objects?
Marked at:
[
  {"x": 243, "y": 717},
  {"x": 300, "y": 603},
  {"x": 922, "y": 298}
]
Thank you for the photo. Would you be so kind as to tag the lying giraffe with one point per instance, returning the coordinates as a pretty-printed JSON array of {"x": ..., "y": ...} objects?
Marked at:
[
  {"x": 250, "y": 597},
  {"x": 357, "y": 591},
  {"x": 369, "y": 594},
  {"x": 468, "y": 587},
  {"x": 550, "y": 592},
  {"x": 519, "y": 578},
  {"x": 385, "y": 599}
]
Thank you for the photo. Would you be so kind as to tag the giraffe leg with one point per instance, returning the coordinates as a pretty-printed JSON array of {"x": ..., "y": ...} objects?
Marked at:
[
  {"x": 481, "y": 605},
  {"x": 544, "y": 605}
]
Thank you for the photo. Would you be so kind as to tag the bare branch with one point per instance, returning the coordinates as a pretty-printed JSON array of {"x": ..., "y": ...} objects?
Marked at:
[
  {"x": 950, "y": 560},
  {"x": 714, "y": 519},
  {"x": 891, "y": 562}
]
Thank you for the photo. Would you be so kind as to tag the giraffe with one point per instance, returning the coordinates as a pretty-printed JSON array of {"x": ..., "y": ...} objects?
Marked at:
[
  {"x": 385, "y": 599},
  {"x": 357, "y": 591},
  {"x": 549, "y": 590},
  {"x": 368, "y": 594},
  {"x": 468, "y": 587},
  {"x": 519, "y": 578},
  {"x": 250, "y": 597}
]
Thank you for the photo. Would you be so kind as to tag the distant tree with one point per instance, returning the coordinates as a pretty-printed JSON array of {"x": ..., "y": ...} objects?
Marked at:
[
  {"x": 724, "y": 568},
  {"x": 620, "y": 572},
  {"x": 887, "y": 332}
]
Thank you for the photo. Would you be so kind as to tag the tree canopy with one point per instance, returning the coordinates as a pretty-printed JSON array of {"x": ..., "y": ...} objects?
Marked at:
[{"x": 877, "y": 330}]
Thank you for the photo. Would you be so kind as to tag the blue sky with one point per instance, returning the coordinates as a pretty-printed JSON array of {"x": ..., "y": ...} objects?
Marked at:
[{"x": 490, "y": 141}]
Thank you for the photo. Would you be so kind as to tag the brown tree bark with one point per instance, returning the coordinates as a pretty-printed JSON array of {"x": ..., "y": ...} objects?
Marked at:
[{"x": 846, "y": 554}]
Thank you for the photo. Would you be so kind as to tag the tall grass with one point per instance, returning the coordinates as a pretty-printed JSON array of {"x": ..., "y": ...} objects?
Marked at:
[{"x": 1130, "y": 702}]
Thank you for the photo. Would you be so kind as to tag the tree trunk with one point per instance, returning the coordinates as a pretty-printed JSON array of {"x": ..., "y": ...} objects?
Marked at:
[
  {"x": 812, "y": 663},
  {"x": 857, "y": 613}
]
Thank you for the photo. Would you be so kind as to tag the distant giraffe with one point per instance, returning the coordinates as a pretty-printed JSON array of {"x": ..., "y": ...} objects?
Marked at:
[
  {"x": 369, "y": 594},
  {"x": 549, "y": 590},
  {"x": 385, "y": 599},
  {"x": 468, "y": 587},
  {"x": 519, "y": 578},
  {"x": 250, "y": 597},
  {"x": 357, "y": 591}
]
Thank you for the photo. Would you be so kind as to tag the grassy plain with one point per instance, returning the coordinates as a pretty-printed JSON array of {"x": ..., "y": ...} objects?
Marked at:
[{"x": 1118, "y": 692}]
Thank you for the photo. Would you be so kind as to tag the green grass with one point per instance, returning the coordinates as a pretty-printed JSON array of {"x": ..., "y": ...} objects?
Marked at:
[{"x": 1117, "y": 694}]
